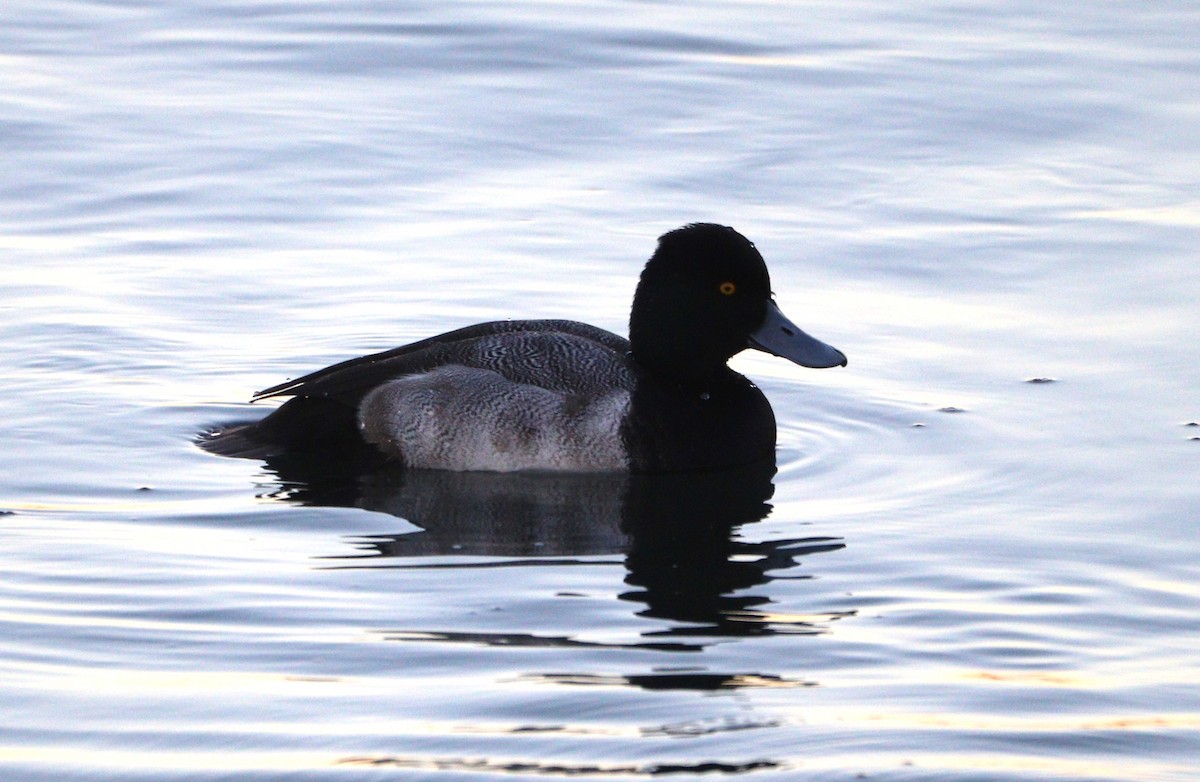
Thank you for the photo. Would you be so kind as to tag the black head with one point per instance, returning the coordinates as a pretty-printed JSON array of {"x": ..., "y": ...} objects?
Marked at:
[{"x": 704, "y": 296}]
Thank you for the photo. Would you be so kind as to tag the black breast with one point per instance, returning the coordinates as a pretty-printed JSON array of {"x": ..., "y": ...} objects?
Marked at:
[{"x": 672, "y": 428}]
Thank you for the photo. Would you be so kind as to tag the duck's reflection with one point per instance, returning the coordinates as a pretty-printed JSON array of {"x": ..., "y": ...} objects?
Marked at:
[{"x": 675, "y": 532}]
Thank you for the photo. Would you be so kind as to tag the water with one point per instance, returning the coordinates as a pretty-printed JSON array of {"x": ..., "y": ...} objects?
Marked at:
[{"x": 963, "y": 574}]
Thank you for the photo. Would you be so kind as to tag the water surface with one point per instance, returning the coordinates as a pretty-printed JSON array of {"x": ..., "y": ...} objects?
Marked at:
[{"x": 977, "y": 557}]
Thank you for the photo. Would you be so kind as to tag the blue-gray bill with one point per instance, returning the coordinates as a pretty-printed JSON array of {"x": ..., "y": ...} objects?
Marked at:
[{"x": 780, "y": 337}]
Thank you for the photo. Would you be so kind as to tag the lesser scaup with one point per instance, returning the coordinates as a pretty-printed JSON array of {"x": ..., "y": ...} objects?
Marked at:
[{"x": 562, "y": 395}]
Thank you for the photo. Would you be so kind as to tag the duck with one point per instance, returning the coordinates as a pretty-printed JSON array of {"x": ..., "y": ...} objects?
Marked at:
[{"x": 560, "y": 395}]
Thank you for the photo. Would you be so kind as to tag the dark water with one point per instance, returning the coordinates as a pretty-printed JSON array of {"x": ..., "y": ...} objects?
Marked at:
[{"x": 977, "y": 559}]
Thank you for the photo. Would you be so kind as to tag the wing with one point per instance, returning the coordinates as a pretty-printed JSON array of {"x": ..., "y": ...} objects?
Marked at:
[{"x": 349, "y": 380}]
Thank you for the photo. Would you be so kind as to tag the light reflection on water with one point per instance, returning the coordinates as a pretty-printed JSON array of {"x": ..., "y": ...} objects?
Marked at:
[{"x": 200, "y": 202}]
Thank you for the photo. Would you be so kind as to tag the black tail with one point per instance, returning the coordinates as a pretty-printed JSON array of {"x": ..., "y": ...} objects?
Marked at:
[{"x": 309, "y": 426}]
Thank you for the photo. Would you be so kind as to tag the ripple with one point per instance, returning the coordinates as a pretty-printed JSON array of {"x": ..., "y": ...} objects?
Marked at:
[
  {"x": 567, "y": 769},
  {"x": 705, "y": 682},
  {"x": 527, "y": 640}
]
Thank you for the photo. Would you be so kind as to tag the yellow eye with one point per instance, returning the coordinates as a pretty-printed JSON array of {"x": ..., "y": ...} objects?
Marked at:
[{"x": 727, "y": 288}]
